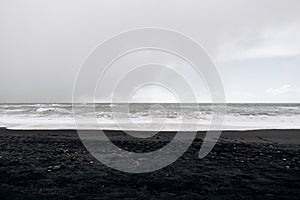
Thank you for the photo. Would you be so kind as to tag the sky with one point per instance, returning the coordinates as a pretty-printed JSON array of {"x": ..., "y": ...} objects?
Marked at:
[{"x": 254, "y": 44}]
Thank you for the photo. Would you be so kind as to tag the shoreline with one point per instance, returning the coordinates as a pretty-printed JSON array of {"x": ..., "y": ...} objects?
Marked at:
[{"x": 278, "y": 136}]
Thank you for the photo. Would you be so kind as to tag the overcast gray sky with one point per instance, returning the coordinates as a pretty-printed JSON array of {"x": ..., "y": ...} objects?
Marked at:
[{"x": 255, "y": 44}]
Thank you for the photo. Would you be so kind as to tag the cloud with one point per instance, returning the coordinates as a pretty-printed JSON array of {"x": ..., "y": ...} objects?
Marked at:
[
  {"x": 281, "y": 41},
  {"x": 153, "y": 93},
  {"x": 240, "y": 96},
  {"x": 42, "y": 47},
  {"x": 285, "y": 93},
  {"x": 282, "y": 90}
]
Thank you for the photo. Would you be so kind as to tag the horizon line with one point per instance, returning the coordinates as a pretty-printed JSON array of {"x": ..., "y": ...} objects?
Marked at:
[{"x": 106, "y": 102}]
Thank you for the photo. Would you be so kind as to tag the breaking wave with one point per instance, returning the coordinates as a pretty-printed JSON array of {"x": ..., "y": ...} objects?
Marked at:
[{"x": 238, "y": 116}]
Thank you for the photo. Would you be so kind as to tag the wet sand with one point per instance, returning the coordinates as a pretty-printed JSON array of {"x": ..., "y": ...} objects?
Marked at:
[{"x": 261, "y": 164}]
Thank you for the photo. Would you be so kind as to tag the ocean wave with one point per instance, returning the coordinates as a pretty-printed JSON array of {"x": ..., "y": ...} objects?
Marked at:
[
  {"x": 61, "y": 115},
  {"x": 52, "y": 110},
  {"x": 289, "y": 107}
]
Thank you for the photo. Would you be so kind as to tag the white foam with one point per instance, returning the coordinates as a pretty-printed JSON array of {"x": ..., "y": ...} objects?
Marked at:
[{"x": 169, "y": 125}]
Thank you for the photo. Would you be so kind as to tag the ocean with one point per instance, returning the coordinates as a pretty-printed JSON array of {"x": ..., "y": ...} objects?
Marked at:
[{"x": 141, "y": 116}]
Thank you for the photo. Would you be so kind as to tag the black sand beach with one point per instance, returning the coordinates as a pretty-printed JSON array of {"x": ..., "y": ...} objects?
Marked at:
[{"x": 243, "y": 165}]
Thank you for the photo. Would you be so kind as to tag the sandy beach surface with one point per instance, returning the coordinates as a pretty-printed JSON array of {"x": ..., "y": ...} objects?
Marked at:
[{"x": 262, "y": 164}]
